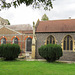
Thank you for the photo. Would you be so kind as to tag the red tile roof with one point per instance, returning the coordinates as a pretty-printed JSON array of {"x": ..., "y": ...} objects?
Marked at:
[{"x": 56, "y": 26}]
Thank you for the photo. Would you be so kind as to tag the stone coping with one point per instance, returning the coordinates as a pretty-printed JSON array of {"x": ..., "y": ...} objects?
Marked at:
[
  {"x": 35, "y": 60},
  {"x": 63, "y": 61}
]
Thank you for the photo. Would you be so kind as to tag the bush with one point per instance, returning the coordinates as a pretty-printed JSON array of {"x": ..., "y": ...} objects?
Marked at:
[
  {"x": 50, "y": 52},
  {"x": 9, "y": 51},
  {"x": 1, "y": 50}
]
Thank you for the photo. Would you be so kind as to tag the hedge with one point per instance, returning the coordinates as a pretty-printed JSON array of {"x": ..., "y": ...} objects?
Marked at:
[
  {"x": 50, "y": 52},
  {"x": 9, "y": 51}
]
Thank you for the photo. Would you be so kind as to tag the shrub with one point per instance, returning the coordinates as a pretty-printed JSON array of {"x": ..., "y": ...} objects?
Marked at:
[
  {"x": 9, "y": 51},
  {"x": 50, "y": 52},
  {"x": 1, "y": 50}
]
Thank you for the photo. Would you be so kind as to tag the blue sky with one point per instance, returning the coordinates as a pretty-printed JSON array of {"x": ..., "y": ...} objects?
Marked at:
[{"x": 62, "y": 9}]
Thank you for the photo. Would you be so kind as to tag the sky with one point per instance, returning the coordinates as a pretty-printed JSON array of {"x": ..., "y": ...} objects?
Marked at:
[{"x": 62, "y": 9}]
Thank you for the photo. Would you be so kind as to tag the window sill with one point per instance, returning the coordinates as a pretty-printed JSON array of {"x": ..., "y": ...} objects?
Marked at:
[{"x": 68, "y": 50}]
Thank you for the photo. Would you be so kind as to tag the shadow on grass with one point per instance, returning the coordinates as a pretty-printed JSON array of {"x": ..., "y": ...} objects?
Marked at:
[
  {"x": 3, "y": 60},
  {"x": 20, "y": 60},
  {"x": 56, "y": 62}
]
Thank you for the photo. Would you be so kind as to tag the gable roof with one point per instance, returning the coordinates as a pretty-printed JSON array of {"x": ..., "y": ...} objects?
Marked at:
[
  {"x": 13, "y": 30},
  {"x": 56, "y": 26},
  {"x": 8, "y": 30},
  {"x": 20, "y": 27}
]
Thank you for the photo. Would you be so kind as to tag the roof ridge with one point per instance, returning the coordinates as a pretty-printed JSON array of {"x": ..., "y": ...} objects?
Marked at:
[
  {"x": 20, "y": 27},
  {"x": 56, "y": 26},
  {"x": 57, "y": 20},
  {"x": 19, "y": 24}
]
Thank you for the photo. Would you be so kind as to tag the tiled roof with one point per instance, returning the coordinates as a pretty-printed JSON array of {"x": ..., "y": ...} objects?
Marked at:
[
  {"x": 20, "y": 27},
  {"x": 26, "y": 31},
  {"x": 24, "y": 28},
  {"x": 56, "y": 26}
]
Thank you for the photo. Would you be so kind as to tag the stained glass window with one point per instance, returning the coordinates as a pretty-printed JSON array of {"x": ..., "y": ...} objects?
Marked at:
[
  {"x": 68, "y": 43},
  {"x": 50, "y": 40}
]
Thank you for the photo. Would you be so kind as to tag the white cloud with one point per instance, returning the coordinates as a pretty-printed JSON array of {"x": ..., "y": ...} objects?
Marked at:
[{"x": 26, "y": 15}]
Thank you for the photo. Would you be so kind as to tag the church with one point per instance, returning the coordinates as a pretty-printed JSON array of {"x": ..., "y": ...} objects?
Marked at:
[{"x": 29, "y": 39}]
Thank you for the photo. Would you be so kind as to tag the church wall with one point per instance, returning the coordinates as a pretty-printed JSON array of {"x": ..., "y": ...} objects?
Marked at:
[
  {"x": 21, "y": 41},
  {"x": 24, "y": 41},
  {"x": 9, "y": 34},
  {"x": 9, "y": 38},
  {"x": 41, "y": 40}
]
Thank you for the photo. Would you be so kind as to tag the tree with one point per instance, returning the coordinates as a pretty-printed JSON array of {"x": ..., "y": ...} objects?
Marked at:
[
  {"x": 47, "y": 4},
  {"x": 44, "y": 18},
  {"x": 8, "y": 21}
]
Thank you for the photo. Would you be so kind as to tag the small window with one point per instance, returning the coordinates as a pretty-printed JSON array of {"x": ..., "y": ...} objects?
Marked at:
[
  {"x": 28, "y": 44},
  {"x": 50, "y": 40},
  {"x": 3, "y": 41},
  {"x": 15, "y": 41}
]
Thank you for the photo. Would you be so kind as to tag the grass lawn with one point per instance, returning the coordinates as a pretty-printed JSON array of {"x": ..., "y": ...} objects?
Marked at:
[{"x": 35, "y": 68}]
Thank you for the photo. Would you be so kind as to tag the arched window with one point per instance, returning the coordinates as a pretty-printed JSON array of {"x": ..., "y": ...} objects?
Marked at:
[
  {"x": 68, "y": 43},
  {"x": 28, "y": 44},
  {"x": 3, "y": 41},
  {"x": 15, "y": 41},
  {"x": 50, "y": 40}
]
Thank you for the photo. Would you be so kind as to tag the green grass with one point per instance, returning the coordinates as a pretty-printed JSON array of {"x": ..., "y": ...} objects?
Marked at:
[{"x": 35, "y": 68}]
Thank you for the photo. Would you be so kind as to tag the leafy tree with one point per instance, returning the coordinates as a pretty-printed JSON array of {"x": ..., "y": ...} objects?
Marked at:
[
  {"x": 47, "y": 4},
  {"x": 44, "y": 18}
]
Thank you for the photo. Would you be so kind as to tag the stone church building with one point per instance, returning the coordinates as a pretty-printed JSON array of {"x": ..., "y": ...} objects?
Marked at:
[{"x": 60, "y": 32}]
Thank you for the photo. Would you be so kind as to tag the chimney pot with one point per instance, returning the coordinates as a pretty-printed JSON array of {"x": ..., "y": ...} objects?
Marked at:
[{"x": 69, "y": 17}]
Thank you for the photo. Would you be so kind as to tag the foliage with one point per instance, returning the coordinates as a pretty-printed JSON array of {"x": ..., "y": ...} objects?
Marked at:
[
  {"x": 45, "y": 17},
  {"x": 9, "y": 51},
  {"x": 1, "y": 50},
  {"x": 47, "y": 4},
  {"x": 50, "y": 52},
  {"x": 8, "y": 21}
]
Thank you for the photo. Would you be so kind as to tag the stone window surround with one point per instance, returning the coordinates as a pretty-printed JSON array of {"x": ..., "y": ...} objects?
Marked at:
[{"x": 62, "y": 43}]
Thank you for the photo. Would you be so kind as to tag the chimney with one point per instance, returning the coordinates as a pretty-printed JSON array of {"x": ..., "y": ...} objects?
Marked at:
[{"x": 69, "y": 17}]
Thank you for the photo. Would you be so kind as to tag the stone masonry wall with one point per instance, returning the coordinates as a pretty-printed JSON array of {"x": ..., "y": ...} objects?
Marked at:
[{"x": 42, "y": 37}]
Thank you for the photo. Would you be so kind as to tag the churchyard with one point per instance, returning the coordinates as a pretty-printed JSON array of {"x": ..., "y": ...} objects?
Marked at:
[{"x": 18, "y": 67}]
